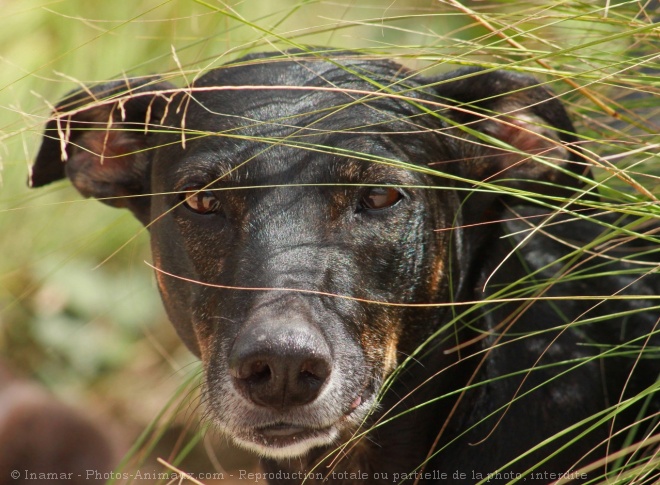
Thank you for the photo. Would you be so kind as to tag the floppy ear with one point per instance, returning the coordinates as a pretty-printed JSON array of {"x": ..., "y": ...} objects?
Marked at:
[
  {"x": 510, "y": 129},
  {"x": 100, "y": 138}
]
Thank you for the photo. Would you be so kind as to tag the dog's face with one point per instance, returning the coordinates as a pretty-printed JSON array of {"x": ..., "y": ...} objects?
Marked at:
[
  {"x": 286, "y": 200},
  {"x": 294, "y": 220}
]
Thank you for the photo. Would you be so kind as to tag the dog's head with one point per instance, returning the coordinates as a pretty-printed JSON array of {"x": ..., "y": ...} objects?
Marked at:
[{"x": 296, "y": 209}]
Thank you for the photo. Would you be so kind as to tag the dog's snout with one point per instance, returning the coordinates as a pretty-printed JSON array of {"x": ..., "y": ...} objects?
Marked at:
[{"x": 280, "y": 364}]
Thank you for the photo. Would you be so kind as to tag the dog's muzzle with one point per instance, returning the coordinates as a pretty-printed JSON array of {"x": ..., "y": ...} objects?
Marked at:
[{"x": 288, "y": 386}]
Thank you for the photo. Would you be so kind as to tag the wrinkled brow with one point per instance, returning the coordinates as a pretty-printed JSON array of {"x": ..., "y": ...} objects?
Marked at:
[{"x": 202, "y": 169}]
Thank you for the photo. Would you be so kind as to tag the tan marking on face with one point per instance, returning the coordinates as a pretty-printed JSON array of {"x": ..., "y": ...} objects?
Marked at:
[
  {"x": 204, "y": 349},
  {"x": 380, "y": 342},
  {"x": 391, "y": 353},
  {"x": 438, "y": 273},
  {"x": 206, "y": 338},
  {"x": 202, "y": 335},
  {"x": 160, "y": 277},
  {"x": 350, "y": 171},
  {"x": 340, "y": 199}
]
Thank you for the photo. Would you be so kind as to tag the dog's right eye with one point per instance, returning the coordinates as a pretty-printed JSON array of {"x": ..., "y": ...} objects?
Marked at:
[
  {"x": 200, "y": 201},
  {"x": 379, "y": 198}
]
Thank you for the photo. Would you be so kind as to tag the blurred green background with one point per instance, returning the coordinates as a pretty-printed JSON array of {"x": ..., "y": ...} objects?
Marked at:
[{"x": 79, "y": 311}]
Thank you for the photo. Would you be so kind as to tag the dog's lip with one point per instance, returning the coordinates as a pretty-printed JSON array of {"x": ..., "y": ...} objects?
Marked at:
[
  {"x": 286, "y": 438},
  {"x": 281, "y": 435},
  {"x": 283, "y": 430},
  {"x": 288, "y": 431}
]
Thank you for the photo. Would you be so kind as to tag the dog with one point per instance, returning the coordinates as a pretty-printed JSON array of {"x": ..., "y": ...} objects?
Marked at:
[{"x": 388, "y": 278}]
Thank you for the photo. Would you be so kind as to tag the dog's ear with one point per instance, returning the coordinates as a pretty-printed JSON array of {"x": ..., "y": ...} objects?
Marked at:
[
  {"x": 507, "y": 128},
  {"x": 100, "y": 138}
]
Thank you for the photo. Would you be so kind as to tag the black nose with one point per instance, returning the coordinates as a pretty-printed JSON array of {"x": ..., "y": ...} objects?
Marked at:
[{"x": 280, "y": 363}]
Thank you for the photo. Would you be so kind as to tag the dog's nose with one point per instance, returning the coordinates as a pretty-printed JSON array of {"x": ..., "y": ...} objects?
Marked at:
[{"x": 280, "y": 363}]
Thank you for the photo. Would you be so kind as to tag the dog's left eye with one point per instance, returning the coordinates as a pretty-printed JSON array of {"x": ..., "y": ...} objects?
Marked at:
[
  {"x": 200, "y": 201},
  {"x": 378, "y": 198}
]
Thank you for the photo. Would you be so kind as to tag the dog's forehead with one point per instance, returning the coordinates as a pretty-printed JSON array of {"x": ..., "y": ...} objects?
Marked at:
[
  {"x": 310, "y": 121},
  {"x": 332, "y": 159},
  {"x": 305, "y": 72},
  {"x": 300, "y": 92}
]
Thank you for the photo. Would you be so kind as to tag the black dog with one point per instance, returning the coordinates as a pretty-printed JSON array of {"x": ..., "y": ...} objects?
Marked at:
[{"x": 372, "y": 268}]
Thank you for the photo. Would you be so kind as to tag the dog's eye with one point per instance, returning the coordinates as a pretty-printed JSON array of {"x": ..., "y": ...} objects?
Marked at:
[
  {"x": 377, "y": 198},
  {"x": 201, "y": 201}
]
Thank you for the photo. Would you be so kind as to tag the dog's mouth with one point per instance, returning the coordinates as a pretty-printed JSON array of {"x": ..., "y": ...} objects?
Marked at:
[
  {"x": 289, "y": 439},
  {"x": 287, "y": 435}
]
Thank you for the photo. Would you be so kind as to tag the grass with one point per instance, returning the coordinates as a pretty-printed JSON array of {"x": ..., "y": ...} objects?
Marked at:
[{"x": 65, "y": 286}]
